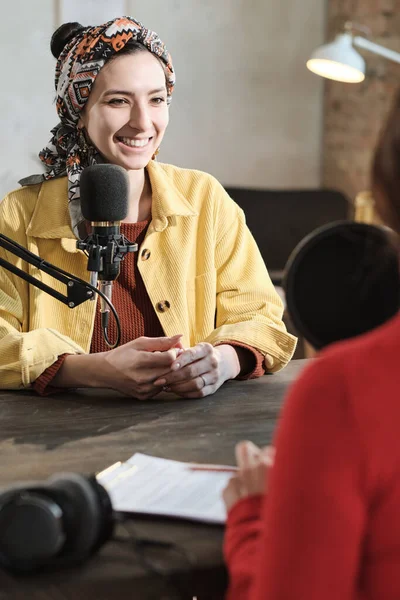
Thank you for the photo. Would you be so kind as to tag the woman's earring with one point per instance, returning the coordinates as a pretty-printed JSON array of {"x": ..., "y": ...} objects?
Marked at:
[
  {"x": 155, "y": 154},
  {"x": 83, "y": 145}
]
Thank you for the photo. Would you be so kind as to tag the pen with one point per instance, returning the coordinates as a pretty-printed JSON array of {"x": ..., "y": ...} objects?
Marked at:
[{"x": 214, "y": 468}]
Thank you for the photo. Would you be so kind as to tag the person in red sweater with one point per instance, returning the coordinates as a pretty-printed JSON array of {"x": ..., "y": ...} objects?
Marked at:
[{"x": 317, "y": 517}]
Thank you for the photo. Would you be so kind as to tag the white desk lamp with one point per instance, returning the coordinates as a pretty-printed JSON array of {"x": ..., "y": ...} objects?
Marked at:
[{"x": 341, "y": 62}]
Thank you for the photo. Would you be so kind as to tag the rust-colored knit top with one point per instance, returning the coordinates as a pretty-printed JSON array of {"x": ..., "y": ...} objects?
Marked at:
[{"x": 130, "y": 299}]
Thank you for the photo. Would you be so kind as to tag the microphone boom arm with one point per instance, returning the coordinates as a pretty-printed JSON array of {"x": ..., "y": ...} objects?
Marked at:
[
  {"x": 78, "y": 291},
  {"x": 103, "y": 260}
]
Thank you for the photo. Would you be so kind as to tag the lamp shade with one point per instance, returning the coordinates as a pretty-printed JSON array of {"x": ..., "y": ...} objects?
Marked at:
[{"x": 338, "y": 60}]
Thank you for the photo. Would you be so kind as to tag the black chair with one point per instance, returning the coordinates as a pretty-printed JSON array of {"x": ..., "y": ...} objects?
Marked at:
[{"x": 280, "y": 219}]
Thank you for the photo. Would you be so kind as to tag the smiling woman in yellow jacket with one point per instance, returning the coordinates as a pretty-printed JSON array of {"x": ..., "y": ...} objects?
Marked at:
[
  {"x": 204, "y": 268},
  {"x": 204, "y": 261}
]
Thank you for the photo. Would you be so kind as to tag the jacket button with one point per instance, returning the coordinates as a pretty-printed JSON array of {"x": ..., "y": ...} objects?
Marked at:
[
  {"x": 163, "y": 306},
  {"x": 145, "y": 254}
]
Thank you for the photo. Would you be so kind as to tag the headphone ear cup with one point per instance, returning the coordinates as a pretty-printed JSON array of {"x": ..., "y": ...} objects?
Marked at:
[
  {"x": 59, "y": 522},
  {"x": 107, "y": 520},
  {"x": 87, "y": 514},
  {"x": 31, "y": 528}
]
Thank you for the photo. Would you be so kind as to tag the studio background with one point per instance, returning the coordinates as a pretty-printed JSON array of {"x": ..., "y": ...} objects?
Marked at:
[{"x": 245, "y": 107}]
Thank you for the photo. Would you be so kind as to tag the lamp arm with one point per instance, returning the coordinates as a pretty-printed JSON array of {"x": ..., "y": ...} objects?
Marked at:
[{"x": 362, "y": 42}]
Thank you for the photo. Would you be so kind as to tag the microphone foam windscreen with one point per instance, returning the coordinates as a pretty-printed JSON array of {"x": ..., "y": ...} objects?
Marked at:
[
  {"x": 341, "y": 281},
  {"x": 104, "y": 193}
]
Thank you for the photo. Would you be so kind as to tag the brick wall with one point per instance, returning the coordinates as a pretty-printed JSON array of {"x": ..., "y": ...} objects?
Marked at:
[{"x": 354, "y": 113}]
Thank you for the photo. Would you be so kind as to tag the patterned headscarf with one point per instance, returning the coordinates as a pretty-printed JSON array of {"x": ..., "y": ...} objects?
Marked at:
[{"x": 77, "y": 68}]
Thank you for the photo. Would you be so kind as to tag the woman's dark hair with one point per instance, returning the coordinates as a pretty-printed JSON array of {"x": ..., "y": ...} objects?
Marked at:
[
  {"x": 385, "y": 172},
  {"x": 62, "y": 36}
]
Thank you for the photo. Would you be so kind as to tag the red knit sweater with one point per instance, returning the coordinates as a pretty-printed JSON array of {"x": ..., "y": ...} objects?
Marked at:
[
  {"x": 137, "y": 315},
  {"x": 329, "y": 528}
]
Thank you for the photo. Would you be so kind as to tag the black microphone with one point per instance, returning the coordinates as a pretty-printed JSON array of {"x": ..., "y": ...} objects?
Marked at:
[
  {"x": 104, "y": 190},
  {"x": 342, "y": 280}
]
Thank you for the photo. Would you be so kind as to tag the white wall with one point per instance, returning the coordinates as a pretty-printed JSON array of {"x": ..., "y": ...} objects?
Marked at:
[
  {"x": 245, "y": 107},
  {"x": 27, "y": 90}
]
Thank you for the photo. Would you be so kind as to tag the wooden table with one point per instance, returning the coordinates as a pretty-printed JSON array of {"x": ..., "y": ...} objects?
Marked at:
[{"x": 86, "y": 430}]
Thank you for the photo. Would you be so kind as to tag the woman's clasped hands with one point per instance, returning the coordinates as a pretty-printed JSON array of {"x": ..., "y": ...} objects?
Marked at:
[
  {"x": 146, "y": 366},
  {"x": 199, "y": 371},
  {"x": 133, "y": 368}
]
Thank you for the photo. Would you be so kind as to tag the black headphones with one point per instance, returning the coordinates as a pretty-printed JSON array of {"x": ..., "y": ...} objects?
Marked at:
[{"x": 60, "y": 522}]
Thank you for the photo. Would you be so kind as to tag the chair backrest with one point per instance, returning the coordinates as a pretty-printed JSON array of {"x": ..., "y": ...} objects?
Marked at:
[{"x": 280, "y": 219}]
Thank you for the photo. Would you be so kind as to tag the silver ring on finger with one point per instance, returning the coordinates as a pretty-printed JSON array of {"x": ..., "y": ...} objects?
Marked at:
[{"x": 203, "y": 380}]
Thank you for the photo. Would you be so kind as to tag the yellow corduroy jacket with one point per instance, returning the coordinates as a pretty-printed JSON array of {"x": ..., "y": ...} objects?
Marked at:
[{"x": 203, "y": 261}]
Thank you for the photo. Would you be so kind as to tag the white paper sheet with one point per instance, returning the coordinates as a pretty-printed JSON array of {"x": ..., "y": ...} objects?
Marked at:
[{"x": 157, "y": 486}]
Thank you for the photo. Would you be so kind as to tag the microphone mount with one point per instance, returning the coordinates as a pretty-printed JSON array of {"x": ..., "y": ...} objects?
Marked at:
[{"x": 106, "y": 249}]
